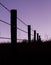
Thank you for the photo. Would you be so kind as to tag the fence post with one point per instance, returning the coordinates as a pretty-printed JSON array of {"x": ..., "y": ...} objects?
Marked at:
[
  {"x": 34, "y": 35},
  {"x": 29, "y": 33},
  {"x": 13, "y": 27},
  {"x": 37, "y": 36}
]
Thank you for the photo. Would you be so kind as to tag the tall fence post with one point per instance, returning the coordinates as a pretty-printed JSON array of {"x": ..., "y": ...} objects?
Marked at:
[
  {"x": 29, "y": 33},
  {"x": 37, "y": 36},
  {"x": 13, "y": 27},
  {"x": 34, "y": 35}
]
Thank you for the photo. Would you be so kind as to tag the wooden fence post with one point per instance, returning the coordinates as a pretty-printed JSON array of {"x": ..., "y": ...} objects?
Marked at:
[
  {"x": 29, "y": 33},
  {"x": 37, "y": 36},
  {"x": 34, "y": 35},
  {"x": 13, "y": 27}
]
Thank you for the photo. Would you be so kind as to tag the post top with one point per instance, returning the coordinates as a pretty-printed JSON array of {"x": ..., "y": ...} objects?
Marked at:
[{"x": 13, "y": 10}]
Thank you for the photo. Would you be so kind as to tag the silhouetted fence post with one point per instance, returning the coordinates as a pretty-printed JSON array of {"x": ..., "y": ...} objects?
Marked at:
[
  {"x": 34, "y": 35},
  {"x": 29, "y": 33},
  {"x": 13, "y": 27},
  {"x": 37, "y": 36}
]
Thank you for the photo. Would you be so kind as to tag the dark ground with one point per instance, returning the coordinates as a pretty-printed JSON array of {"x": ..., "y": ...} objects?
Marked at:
[{"x": 26, "y": 53}]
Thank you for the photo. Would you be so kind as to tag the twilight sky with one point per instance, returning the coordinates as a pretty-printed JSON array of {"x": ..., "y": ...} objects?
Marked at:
[{"x": 36, "y": 13}]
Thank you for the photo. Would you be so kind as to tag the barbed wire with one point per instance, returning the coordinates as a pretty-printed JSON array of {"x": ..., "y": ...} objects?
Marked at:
[
  {"x": 4, "y": 7},
  {"x": 22, "y": 21},
  {"x": 10, "y": 24},
  {"x": 17, "y": 17},
  {"x": 9, "y": 11},
  {"x": 17, "y": 27},
  {"x": 10, "y": 38},
  {"x": 21, "y": 39},
  {"x": 21, "y": 30},
  {"x": 4, "y": 22},
  {"x": 4, "y": 38}
]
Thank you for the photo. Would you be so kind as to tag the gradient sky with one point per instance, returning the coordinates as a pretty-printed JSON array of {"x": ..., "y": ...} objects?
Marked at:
[{"x": 36, "y": 13}]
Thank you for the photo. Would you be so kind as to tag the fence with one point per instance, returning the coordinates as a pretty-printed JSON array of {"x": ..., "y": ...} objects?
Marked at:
[{"x": 14, "y": 27}]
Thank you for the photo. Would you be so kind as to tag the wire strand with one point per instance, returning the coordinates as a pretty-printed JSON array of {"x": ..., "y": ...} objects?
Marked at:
[
  {"x": 21, "y": 39},
  {"x": 4, "y": 38},
  {"x": 21, "y": 21},
  {"x": 5, "y": 22},
  {"x": 4, "y": 7},
  {"x": 21, "y": 30}
]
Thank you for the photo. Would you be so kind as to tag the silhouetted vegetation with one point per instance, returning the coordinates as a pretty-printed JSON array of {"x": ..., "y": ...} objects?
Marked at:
[{"x": 25, "y": 53}]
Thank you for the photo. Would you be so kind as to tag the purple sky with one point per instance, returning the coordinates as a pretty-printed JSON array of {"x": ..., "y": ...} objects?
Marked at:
[{"x": 36, "y": 13}]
